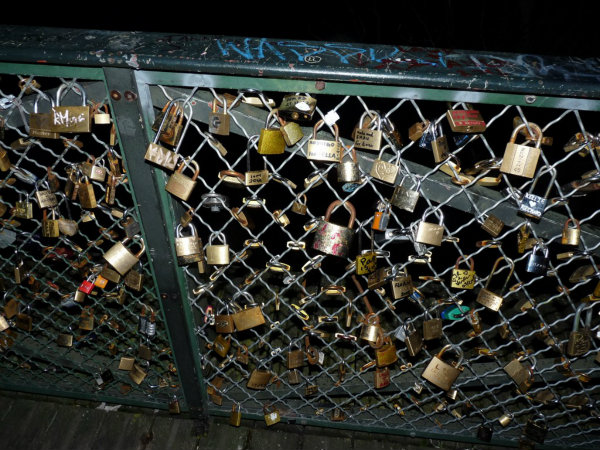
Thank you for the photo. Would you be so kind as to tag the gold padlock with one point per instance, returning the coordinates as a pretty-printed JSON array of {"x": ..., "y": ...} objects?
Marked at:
[
  {"x": 521, "y": 375},
  {"x": 155, "y": 152},
  {"x": 386, "y": 355},
  {"x": 402, "y": 285},
  {"x": 171, "y": 132},
  {"x": 50, "y": 226},
  {"x": 40, "y": 123},
  {"x": 463, "y": 279},
  {"x": 259, "y": 379},
  {"x": 221, "y": 345},
  {"x": 367, "y": 137},
  {"x": 383, "y": 170},
  {"x": 440, "y": 373},
  {"x": 235, "y": 419},
  {"x": 430, "y": 233},
  {"x": 298, "y": 107},
  {"x": 71, "y": 119},
  {"x": 492, "y": 224},
  {"x": 432, "y": 328},
  {"x": 218, "y": 123},
  {"x": 87, "y": 197},
  {"x": 324, "y": 150},
  {"x": 465, "y": 121},
  {"x": 121, "y": 258},
  {"x": 217, "y": 254},
  {"x": 271, "y": 141},
  {"x": 490, "y": 299},
  {"x": 181, "y": 185},
  {"x": 271, "y": 415},
  {"x": 291, "y": 131},
  {"x": 521, "y": 159},
  {"x": 188, "y": 249},
  {"x": 247, "y": 318},
  {"x": 571, "y": 235},
  {"x": 335, "y": 239}
]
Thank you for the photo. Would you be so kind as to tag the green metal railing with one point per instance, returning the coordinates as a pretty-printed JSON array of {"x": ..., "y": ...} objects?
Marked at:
[{"x": 274, "y": 263}]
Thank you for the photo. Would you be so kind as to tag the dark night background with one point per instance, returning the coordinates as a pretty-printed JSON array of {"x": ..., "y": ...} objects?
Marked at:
[{"x": 524, "y": 26}]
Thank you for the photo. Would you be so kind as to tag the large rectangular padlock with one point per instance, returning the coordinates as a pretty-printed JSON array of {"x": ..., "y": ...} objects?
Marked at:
[
  {"x": 440, "y": 373},
  {"x": 71, "y": 119},
  {"x": 335, "y": 239},
  {"x": 465, "y": 121},
  {"x": 121, "y": 258},
  {"x": 248, "y": 318},
  {"x": 259, "y": 379},
  {"x": 521, "y": 159},
  {"x": 324, "y": 150},
  {"x": 181, "y": 185}
]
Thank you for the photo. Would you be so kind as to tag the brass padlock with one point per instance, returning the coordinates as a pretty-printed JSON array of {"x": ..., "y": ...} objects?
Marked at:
[
  {"x": 218, "y": 123},
  {"x": 440, "y": 145},
  {"x": 188, "y": 249},
  {"x": 294, "y": 377},
  {"x": 465, "y": 121},
  {"x": 247, "y": 318},
  {"x": 259, "y": 379},
  {"x": 335, "y": 239},
  {"x": 382, "y": 377},
  {"x": 271, "y": 141},
  {"x": 349, "y": 171},
  {"x": 181, "y": 185},
  {"x": 40, "y": 124},
  {"x": 87, "y": 197},
  {"x": 235, "y": 418},
  {"x": 121, "y": 258},
  {"x": 383, "y": 170},
  {"x": 92, "y": 170},
  {"x": 271, "y": 415},
  {"x": 221, "y": 345},
  {"x": 71, "y": 119},
  {"x": 386, "y": 355},
  {"x": 416, "y": 131},
  {"x": 224, "y": 323},
  {"x": 24, "y": 209},
  {"x": 490, "y": 299},
  {"x": 580, "y": 342},
  {"x": 371, "y": 331},
  {"x": 50, "y": 226},
  {"x": 299, "y": 206},
  {"x": 521, "y": 375},
  {"x": 571, "y": 235},
  {"x": 366, "y": 137},
  {"x": 298, "y": 107},
  {"x": 405, "y": 198},
  {"x": 45, "y": 198},
  {"x": 101, "y": 115},
  {"x": 291, "y": 131},
  {"x": 402, "y": 285},
  {"x": 155, "y": 152},
  {"x": 137, "y": 374},
  {"x": 5, "y": 164},
  {"x": 171, "y": 132},
  {"x": 254, "y": 177},
  {"x": 440, "y": 373},
  {"x": 463, "y": 279},
  {"x": 492, "y": 224},
  {"x": 295, "y": 359},
  {"x": 432, "y": 328},
  {"x": 536, "y": 428},
  {"x": 324, "y": 150},
  {"x": 217, "y": 254},
  {"x": 430, "y": 233},
  {"x": 521, "y": 159}
]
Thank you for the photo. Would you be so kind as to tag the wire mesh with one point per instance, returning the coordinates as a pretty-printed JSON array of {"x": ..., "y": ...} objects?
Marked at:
[
  {"x": 306, "y": 296},
  {"x": 59, "y": 339}
]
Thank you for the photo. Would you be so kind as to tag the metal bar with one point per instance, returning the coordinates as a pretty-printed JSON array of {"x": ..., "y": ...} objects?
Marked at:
[
  {"x": 355, "y": 63},
  {"x": 159, "y": 245}
]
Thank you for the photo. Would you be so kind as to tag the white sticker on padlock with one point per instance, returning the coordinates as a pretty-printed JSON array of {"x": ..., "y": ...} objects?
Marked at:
[
  {"x": 302, "y": 106},
  {"x": 273, "y": 416},
  {"x": 400, "y": 333},
  {"x": 321, "y": 358},
  {"x": 331, "y": 117}
]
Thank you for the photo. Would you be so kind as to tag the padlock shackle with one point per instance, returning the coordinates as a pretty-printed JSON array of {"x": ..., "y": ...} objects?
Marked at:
[
  {"x": 320, "y": 123},
  {"x": 574, "y": 221},
  {"x": 220, "y": 235},
  {"x": 386, "y": 146},
  {"x": 456, "y": 350},
  {"x": 534, "y": 127},
  {"x": 349, "y": 206},
  {"x": 187, "y": 123},
  {"x": 274, "y": 111},
  {"x": 495, "y": 266},
  {"x": 59, "y": 93},
  {"x": 166, "y": 110},
  {"x": 373, "y": 114},
  {"x": 187, "y": 162},
  {"x": 430, "y": 210},
  {"x": 542, "y": 170},
  {"x": 45, "y": 97},
  {"x": 577, "y": 317},
  {"x": 139, "y": 254},
  {"x": 179, "y": 230},
  {"x": 464, "y": 257}
]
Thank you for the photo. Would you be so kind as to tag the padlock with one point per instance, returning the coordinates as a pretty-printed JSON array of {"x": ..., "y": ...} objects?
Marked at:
[
  {"x": 121, "y": 258},
  {"x": 294, "y": 377},
  {"x": 298, "y": 107},
  {"x": 155, "y": 152},
  {"x": 63, "y": 340},
  {"x": 366, "y": 261},
  {"x": 271, "y": 141},
  {"x": 382, "y": 377},
  {"x": 571, "y": 235},
  {"x": 5, "y": 164},
  {"x": 324, "y": 150},
  {"x": 505, "y": 419},
  {"x": 131, "y": 226},
  {"x": 371, "y": 331},
  {"x": 24, "y": 322},
  {"x": 218, "y": 123},
  {"x": 224, "y": 324},
  {"x": 235, "y": 418},
  {"x": 490, "y": 299},
  {"x": 366, "y": 137},
  {"x": 432, "y": 328},
  {"x": 299, "y": 206},
  {"x": 378, "y": 278},
  {"x": 87, "y": 197},
  {"x": 45, "y": 197},
  {"x": 295, "y": 359},
  {"x": 386, "y": 355},
  {"x": 92, "y": 170},
  {"x": 521, "y": 159},
  {"x": 533, "y": 205},
  {"x": 50, "y": 226},
  {"x": 521, "y": 375},
  {"x": 402, "y": 285},
  {"x": 181, "y": 185},
  {"x": 349, "y": 171},
  {"x": 416, "y": 131},
  {"x": 188, "y": 249},
  {"x": 67, "y": 226},
  {"x": 40, "y": 123},
  {"x": 536, "y": 428},
  {"x": 173, "y": 113},
  {"x": 86, "y": 319},
  {"x": 381, "y": 219},
  {"x": 463, "y": 279},
  {"x": 335, "y": 239},
  {"x": 247, "y": 318},
  {"x": 137, "y": 374},
  {"x": 383, "y": 170},
  {"x": 492, "y": 224},
  {"x": 259, "y": 379},
  {"x": 110, "y": 274},
  {"x": 440, "y": 145},
  {"x": 217, "y": 255},
  {"x": 254, "y": 177},
  {"x": 291, "y": 131},
  {"x": 271, "y": 415},
  {"x": 135, "y": 278},
  {"x": 101, "y": 115},
  {"x": 71, "y": 119},
  {"x": 430, "y": 233},
  {"x": 24, "y": 209},
  {"x": 465, "y": 121},
  {"x": 87, "y": 285},
  {"x": 221, "y": 345},
  {"x": 405, "y": 198},
  {"x": 538, "y": 260},
  {"x": 485, "y": 432},
  {"x": 580, "y": 342},
  {"x": 440, "y": 373},
  {"x": 72, "y": 184}
]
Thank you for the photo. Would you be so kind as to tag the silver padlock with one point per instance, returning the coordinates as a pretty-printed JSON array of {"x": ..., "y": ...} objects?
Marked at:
[{"x": 430, "y": 233}]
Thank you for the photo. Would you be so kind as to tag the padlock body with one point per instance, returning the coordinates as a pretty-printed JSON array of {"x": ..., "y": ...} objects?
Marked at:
[
  {"x": 537, "y": 264},
  {"x": 532, "y": 206},
  {"x": 217, "y": 254},
  {"x": 299, "y": 208},
  {"x": 87, "y": 197},
  {"x": 440, "y": 373},
  {"x": 333, "y": 239},
  {"x": 271, "y": 142},
  {"x": 493, "y": 225},
  {"x": 432, "y": 329},
  {"x": 520, "y": 160},
  {"x": 323, "y": 150},
  {"x": 366, "y": 263},
  {"x": 259, "y": 379},
  {"x": 440, "y": 148},
  {"x": 188, "y": 249},
  {"x": 381, "y": 220},
  {"x": 297, "y": 107},
  {"x": 463, "y": 279},
  {"x": 40, "y": 126},
  {"x": 382, "y": 377},
  {"x": 402, "y": 286},
  {"x": 386, "y": 355},
  {"x": 256, "y": 177},
  {"x": 248, "y": 318},
  {"x": 92, "y": 171},
  {"x": 347, "y": 172},
  {"x": 50, "y": 228},
  {"x": 490, "y": 300},
  {"x": 161, "y": 156},
  {"x": 370, "y": 332},
  {"x": 221, "y": 345},
  {"x": 367, "y": 139},
  {"x": 292, "y": 133},
  {"x": 295, "y": 359},
  {"x": 224, "y": 323},
  {"x": 120, "y": 258},
  {"x": 579, "y": 343},
  {"x": 71, "y": 119},
  {"x": 465, "y": 121},
  {"x": 518, "y": 372},
  {"x": 272, "y": 418},
  {"x": 384, "y": 171},
  {"x": 46, "y": 199},
  {"x": 570, "y": 236},
  {"x": 404, "y": 198},
  {"x": 430, "y": 233},
  {"x": 134, "y": 280},
  {"x": 235, "y": 419},
  {"x": 180, "y": 185},
  {"x": 218, "y": 123},
  {"x": 24, "y": 210}
]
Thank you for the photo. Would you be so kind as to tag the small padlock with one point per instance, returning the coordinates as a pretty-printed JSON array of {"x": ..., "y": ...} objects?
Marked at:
[
  {"x": 349, "y": 171},
  {"x": 371, "y": 331},
  {"x": 92, "y": 170},
  {"x": 405, "y": 198},
  {"x": 181, "y": 185},
  {"x": 87, "y": 197},
  {"x": 485, "y": 432},
  {"x": 298, "y": 107},
  {"x": 532, "y": 205},
  {"x": 382, "y": 377},
  {"x": 378, "y": 278},
  {"x": 217, "y": 254},
  {"x": 271, "y": 415},
  {"x": 299, "y": 206},
  {"x": 490, "y": 299},
  {"x": 381, "y": 219},
  {"x": 86, "y": 320},
  {"x": 465, "y": 121},
  {"x": 571, "y": 235},
  {"x": 224, "y": 324},
  {"x": 221, "y": 345},
  {"x": 254, "y": 177},
  {"x": 50, "y": 226},
  {"x": 247, "y": 318},
  {"x": 5, "y": 164},
  {"x": 155, "y": 152},
  {"x": 432, "y": 328},
  {"x": 135, "y": 278},
  {"x": 521, "y": 375},
  {"x": 366, "y": 137},
  {"x": 24, "y": 209},
  {"x": 463, "y": 279},
  {"x": 40, "y": 123},
  {"x": 386, "y": 355},
  {"x": 218, "y": 123},
  {"x": 131, "y": 226},
  {"x": 271, "y": 141},
  {"x": 383, "y": 170},
  {"x": 71, "y": 119},
  {"x": 291, "y": 131},
  {"x": 235, "y": 418},
  {"x": 416, "y": 131},
  {"x": 579, "y": 342},
  {"x": 402, "y": 285},
  {"x": 334, "y": 239},
  {"x": 171, "y": 133},
  {"x": 440, "y": 373},
  {"x": 440, "y": 145},
  {"x": 188, "y": 249},
  {"x": 538, "y": 260},
  {"x": 137, "y": 374},
  {"x": 521, "y": 159},
  {"x": 101, "y": 115},
  {"x": 492, "y": 224},
  {"x": 294, "y": 377},
  {"x": 45, "y": 198},
  {"x": 121, "y": 258},
  {"x": 324, "y": 150},
  {"x": 536, "y": 428},
  {"x": 259, "y": 379},
  {"x": 366, "y": 261},
  {"x": 430, "y": 233},
  {"x": 295, "y": 359}
]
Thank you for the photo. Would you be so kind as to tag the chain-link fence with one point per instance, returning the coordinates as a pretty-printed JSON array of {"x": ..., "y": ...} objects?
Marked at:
[{"x": 450, "y": 265}]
